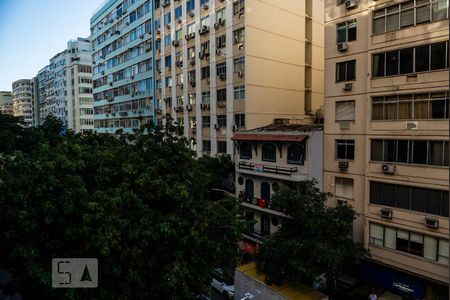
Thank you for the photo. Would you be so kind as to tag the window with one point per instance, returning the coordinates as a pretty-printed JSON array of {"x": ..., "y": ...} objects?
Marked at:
[
  {"x": 205, "y": 72},
  {"x": 222, "y": 121},
  {"x": 269, "y": 152},
  {"x": 410, "y": 151},
  {"x": 190, "y": 28},
  {"x": 206, "y": 146},
  {"x": 376, "y": 235},
  {"x": 424, "y": 200},
  {"x": 415, "y": 106},
  {"x": 221, "y": 15},
  {"x": 404, "y": 61},
  {"x": 221, "y": 42},
  {"x": 344, "y": 187},
  {"x": 190, "y": 5},
  {"x": 296, "y": 154},
  {"x": 221, "y": 147},
  {"x": 178, "y": 12},
  {"x": 168, "y": 82},
  {"x": 167, "y": 19},
  {"x": 239, "y": 92},
  {"x": 206, "y": 121},
  {"x": 239, "y": 64},
  {"x": 239, "y": 120},
  {"x": 345, "y": 110},
  {"x": 222, "y": 95},
  {"x": 245, "y": 150},
  {"x": 221, "y": 69},
  {"x": 168, "y": 61},
  {"x": 345, "y": 71},
  {"x": 345, "y": 149},
  {"x": 206, "y": 97},
  {"x": 346, "y": 31},
  {"x": 238, "y": 6},
  {"x": 239, "y": 36},
  {"x": 249, "y": 187},
  {"x": 167, "y": 40},
  {"x": 409, "y": 13}
]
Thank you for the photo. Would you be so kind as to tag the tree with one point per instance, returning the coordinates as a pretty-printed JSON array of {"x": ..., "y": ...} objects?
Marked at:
[
  {"x": 138, "y": 203},
  {"x": 313, "y": 238}
]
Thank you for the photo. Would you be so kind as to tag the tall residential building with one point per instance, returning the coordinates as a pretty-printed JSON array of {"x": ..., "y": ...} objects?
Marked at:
[
  {"x": 22, "y": 91},
  {"x": 6, "y": 106},
  {"x": 227, "y": 65},
  {"x": 122, "y": 70},
  {"x": 386, "y": 137},
  {"x": 64, "y": 87}
]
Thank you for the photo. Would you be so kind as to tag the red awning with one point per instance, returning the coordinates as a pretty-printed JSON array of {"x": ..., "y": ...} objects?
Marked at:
[{"x": 268, "y": 137}]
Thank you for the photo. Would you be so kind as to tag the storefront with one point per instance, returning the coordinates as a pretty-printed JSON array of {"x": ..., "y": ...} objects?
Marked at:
[{"x": 249, "y": 250}]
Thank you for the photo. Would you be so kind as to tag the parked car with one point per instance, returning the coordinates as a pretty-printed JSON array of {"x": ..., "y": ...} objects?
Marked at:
[{"x": 224, "y": 283}]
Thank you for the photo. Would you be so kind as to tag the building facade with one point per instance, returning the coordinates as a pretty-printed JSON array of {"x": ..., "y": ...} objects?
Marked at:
[
  {"x": 64, "y": 88},
  {"x": 267, "y": 157},
  {"x": 6, "y": 100},
  {"x": 22, "y": 91},
  {"x": 222, "y": 67},
  {"x": 123, "y": 65},
  {"x": 386, "y": 135}
]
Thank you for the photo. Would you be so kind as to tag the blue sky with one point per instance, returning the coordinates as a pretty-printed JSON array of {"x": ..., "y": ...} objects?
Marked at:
[{"x": 32, "y": 31}]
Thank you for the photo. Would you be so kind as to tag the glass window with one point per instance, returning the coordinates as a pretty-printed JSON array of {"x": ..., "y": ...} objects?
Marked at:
[
  {"x": 376, "y": 234},
  {"x": 295, "y": 154},
  {"x": 378, "y": 65},
  {"x": 430, "y": 247},
  {"x": 402, "y": 197},
  {"x": 377, "y": 150},
  {"x": 221, "y": 147},
  {"x": 406, "y": 61},
  {"x": 390, "y": 237},
  {"x": 269, "y": 152},
  {"x": 420, "y": 152},
  {"x": 345, "y": 110},
  {"x": 422, "y": 58},
  {"x": 345, "y": 71},
  {"x": 392, "y": 18},
  {"x": 389, "y": 194},
  {"x": 418, "y": 199},
  {"x": 407, "y": 14},
  {"x": 345, "y": 149},
  {"x": 344, "y": 187},
  {"x": 245, "y": 150},
  {"x": 439, "y": 10},
  {"x": 392, "y": 63},
  {"x": 438, "y": 56}
]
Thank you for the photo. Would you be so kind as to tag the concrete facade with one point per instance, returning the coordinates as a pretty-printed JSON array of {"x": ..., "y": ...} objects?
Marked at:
[
  {"x": 22, "y": 91},
  {"x": 386, "y": 129},
  {"x": 6, "y": 100}
]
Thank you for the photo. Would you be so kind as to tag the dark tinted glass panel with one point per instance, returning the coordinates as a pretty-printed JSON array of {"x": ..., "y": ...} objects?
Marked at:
[
  {"x": 402, "y": 245},
  {"x": 377, "y": 150},
  {"x": 445, "y": 204},
  {"x": 418, "y": 199},
  {"x": 406, "y": 61},
  {"x": 438, "y": 109},
  {"x": 416, "y": 248},
  {"x": 351, "y": 70},
  {"x": 376, "y": 192},
  {"x": 340, "y": 72},
  {"x": 422, "y": 58},
  {"x": 378, "y": 65},
  {"x": 403, "y": 196},
  {"x": 352, "y": 33},
  {"x": 351, "y": 151},
  {"x": 446, "y": 154},
  {"x": 434, "y": 202},
  {"x": 438, "y": 56},
  {"x": 390, "y": 149},
  {"x": 420, "y": 152},
  {"x": 392, "y": 63},
  {"x": 389, "y": 194},
  {"x": 402, "y": 153}
]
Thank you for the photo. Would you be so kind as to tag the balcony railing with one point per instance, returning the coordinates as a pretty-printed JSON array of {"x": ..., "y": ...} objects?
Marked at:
[{"x": 267, "y": 168}]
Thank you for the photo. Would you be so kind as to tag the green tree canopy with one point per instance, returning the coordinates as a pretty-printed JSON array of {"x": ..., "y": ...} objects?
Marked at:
[
  {"x": 138, "y": 203},
  {"x": 313, "y": 238}
]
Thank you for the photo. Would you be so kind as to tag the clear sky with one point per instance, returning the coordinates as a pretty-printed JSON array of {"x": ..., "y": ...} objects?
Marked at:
[{"x": 33, "y": 31}]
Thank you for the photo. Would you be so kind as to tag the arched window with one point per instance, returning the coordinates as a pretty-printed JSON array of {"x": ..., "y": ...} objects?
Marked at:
[
  {"x": 245, "y": 151},
  {"x": 269, "y": 152},
  {"x": 249, "y": 188},
  {"x": 296, "y": 154},
  {"x": 265, "y": 191}
]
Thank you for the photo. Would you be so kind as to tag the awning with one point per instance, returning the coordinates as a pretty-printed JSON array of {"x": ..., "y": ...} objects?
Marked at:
[{"x": 268, "y": 137}]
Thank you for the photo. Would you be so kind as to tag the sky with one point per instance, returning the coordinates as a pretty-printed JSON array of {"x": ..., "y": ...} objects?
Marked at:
[{"x": 33, "y": 31}]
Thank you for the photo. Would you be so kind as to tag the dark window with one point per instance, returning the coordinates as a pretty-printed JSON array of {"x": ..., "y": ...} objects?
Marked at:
[
  {"x": 205, "y": 72},
  {"x": 249, "y": 188},
  {"x": 420, "y": 152},
  {"x": 376, "y": 192},
  {"x": 345, "y": 71},
  {"x": 378, "y": 65},
  {"x": 402, "y": 146},
  {"x": 295, "y": 154},
  {"x": 390, "y": 150},
  {"x": 245, "y": 150},
  {"x": 222, "y": 95},
  {"x": 389, "y": 194},
  {"x": 423, "y": 58},
  {"x": 265, "y": 191},
  {"x": 403, "y": 197},
  {"x": 377, "y": 150},
  {"x": 406, "y": 61},
  {"x": 434, "y": 202},
  {"x": 438, "y": 53},
  {"x": 444, "y": 204},
  {"x": 269, "y": 152},
  {"x": 206, "y": 145},
  {"x": 392, "y": 60},
  {"x": 418, "y": 199},
  {"x": 265, "y": 225},
  {"x": 345, "y": 149},
  {"x": 221, "y": 147}
]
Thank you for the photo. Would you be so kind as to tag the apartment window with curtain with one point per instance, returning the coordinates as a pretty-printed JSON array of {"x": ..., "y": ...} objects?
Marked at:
[
  {"x": 425, "y": 246},
  {"x": 346, "y": 31},
  {"x": 346, "y": 71},
  {"x": 411, "y": 106},
  {"x": 345, "y": 110},
  {"x": 206, "y": 121},
  {"x": 423, "y": 58},
  {"x": 220, "y": 15},
  {"x": 408, "y": 13},
  {"x": 344, "y": 187},
  {"x": 206, "y": 145},
  {"x": 205, "y": 72},
  {"x": 239, "y": 36}
]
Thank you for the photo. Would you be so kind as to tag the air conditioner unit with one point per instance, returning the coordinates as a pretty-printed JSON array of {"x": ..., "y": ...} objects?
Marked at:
[
  {"x": 342, "y": 46},
  {"x": 222, "y": 76},
  {"x": 179, "y": 20},
  {"x": 240, "y": 73},
  {"x": 350, "y": 4},
  {"x": 165, "y": 4},
  {"x": 179, "y": 63},
  {"x": 344, "y": 125},
  {"x": 110, "y": 83},
  {"x": 216, "y": 26},
  {"x": 411, "y": 125},
  {"x": 341, "y": 201},
  {"x": 191, "y": 13},
  {"x": 431, "y": 223},
  {"x": 141, "y": 36},
  {"x": 343, "y": 165},
  {"x": 221, "y": 103},
  {"x": 205, "y": 6},
  {"x": 132, "y": 76},
  {"x": 103, "y": 72},
  {"x": 168, "y": 26},
  {"x": 158, "y": 31},
  {"x": 175, "y": 43},
  {"x": 188, "y": 107},
  {"x": 218, "y": 51},
  {"x": 192, "y": 83},
  {"x": 388, "y": 169},
  {"x": 348, "y": 86},
  {"x": 192, "y": 62},
  {"x": 216, "y": 126},
  {"x": 240, "y": 46},
  {"x": 386, "y": 213}
]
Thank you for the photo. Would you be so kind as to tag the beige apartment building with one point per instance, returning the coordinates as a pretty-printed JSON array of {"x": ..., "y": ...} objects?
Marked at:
[
  {"x": 386, "y": 136},
  {"x": 229, "y": 65}
]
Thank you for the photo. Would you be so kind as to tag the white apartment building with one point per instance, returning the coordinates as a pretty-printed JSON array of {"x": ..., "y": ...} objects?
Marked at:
[{"x": 22, "y": 91}]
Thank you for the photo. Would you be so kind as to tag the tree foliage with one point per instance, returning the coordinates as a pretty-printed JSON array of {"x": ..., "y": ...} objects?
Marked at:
[
  {"x": 138, "y": 203},
  {"x": 313, "y": 239}
]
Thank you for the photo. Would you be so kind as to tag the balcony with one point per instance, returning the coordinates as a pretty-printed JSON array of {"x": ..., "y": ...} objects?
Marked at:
[{"x": 267, "y": 168}]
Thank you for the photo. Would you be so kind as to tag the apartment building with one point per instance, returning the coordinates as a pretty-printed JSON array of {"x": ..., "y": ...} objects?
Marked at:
[
  {"x": 228, "y": 65},
  {"x": 265, "y": 157},
  {"x": 22, "y": 91},
  {"x": 64, "y": 87},
  {"x": 122, "y": 65},
  {"x": 386, "y": 137},
  {"x": 6, "y": 103}
]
